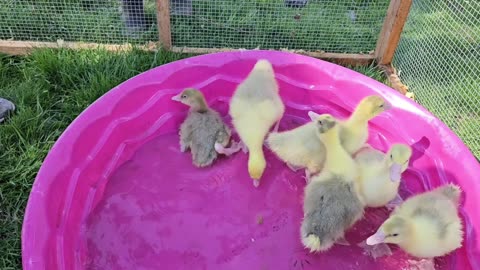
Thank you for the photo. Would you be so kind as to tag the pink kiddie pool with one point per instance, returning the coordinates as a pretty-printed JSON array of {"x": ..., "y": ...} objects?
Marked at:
[{"x": 116, "y": 193}]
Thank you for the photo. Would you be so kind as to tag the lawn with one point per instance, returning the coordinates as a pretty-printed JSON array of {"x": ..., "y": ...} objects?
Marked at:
[
  {"x": 50, "y": 88},
  {"x": 332, "y": 26},
  {"x": 350, "y": 26},
  {"x": 439, "y": 53},
  {"x": 439, "y": 58}
]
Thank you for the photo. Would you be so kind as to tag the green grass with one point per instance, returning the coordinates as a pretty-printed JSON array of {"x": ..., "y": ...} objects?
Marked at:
[
  {"x": 50, "y": 88},
  {"x": 439, "y": 58},
  {"x": 335, "y": 26},
  {"x": 70, "y": 20},
  {"x": 321, "y": 25}
]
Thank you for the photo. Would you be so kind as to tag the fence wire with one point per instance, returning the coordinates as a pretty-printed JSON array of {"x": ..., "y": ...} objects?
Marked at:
[
  {"x": 343, "y": 26},
  {"x": 438, "y": 56},
  {"x": 101, "y": 21},
  {"x": 439, "y": 59}
]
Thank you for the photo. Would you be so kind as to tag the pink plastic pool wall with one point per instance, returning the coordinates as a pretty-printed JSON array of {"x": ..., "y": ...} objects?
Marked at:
[{"x": 115, "y": 192}]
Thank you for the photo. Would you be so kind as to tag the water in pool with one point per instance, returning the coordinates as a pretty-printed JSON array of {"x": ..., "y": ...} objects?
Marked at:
[{"x": 160, "y": 212}]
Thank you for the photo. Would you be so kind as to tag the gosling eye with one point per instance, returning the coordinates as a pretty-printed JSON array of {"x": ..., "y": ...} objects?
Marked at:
[
  {"x": 320, "y": 122},
  {"x": 395, "y": 234},
  {"x": 391, "y": 156},
  {"x": 381, "y": 106},
  {"x": 184, "y": 96}
]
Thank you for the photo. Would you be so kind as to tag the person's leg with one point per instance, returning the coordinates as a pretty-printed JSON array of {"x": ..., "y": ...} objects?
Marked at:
[
  {"x": 181, "y": 7},
  {"x": 134, "y": 16},
  {"x": 296, "y": 3}
]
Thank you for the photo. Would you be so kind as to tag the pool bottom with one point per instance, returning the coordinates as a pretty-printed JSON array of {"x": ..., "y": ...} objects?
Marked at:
[{"x": 160, "y": 212}]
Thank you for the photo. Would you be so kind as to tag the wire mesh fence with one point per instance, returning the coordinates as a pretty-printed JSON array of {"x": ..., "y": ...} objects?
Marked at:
[
  {"x": 438, "y": 56},
  {"x": 101, "y": 21},
  {"x": 439, "y": 59},
  {"x": 344, "y": 26},
  {"x": 348, "y": 26}
]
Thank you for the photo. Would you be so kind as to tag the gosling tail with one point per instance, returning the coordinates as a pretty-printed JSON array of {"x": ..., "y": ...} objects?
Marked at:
[
  {"x": 312, "y": 242},
  {"x": 256, "y": 163},
  {"x": 451, "y": 191}
]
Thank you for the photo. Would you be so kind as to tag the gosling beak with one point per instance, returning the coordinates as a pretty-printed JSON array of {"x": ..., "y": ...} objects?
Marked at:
[
  {"x": 387, "y": 106},
  {"x": 395, "y": 172},
  {"x": 377, "y": 238},
  {"x": 177, "y": 97},
  {"x": 313, "y": 115}
]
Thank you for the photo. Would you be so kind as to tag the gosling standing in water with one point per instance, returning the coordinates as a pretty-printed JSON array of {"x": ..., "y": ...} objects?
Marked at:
[{"x": 203, "y": 131}]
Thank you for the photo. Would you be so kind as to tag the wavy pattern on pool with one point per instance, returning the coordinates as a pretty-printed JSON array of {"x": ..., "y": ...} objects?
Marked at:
[{"x": 116, "y": 193}]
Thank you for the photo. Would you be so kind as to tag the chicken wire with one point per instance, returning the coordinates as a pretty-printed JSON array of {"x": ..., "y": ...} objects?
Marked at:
[
  {"x": 101, "y": 21},
  {"x": 439, "y": 59},
  {"x": 345, "y": 26},
  {"x": 342, "y": 26}
]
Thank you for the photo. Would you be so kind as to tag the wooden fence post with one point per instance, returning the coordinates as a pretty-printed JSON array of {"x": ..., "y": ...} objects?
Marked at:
[
  {"x": 392, "y": 29},
  {"x": 163, "y": 23}
]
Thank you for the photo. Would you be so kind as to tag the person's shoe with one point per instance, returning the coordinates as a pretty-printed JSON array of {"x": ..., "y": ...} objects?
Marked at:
[
  {"x": 6, "y": 108},
  {"x": 296, "y": 3}
]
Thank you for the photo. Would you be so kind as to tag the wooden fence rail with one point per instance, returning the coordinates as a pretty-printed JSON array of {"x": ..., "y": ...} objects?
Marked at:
[{"x": 386, "y": 44}]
